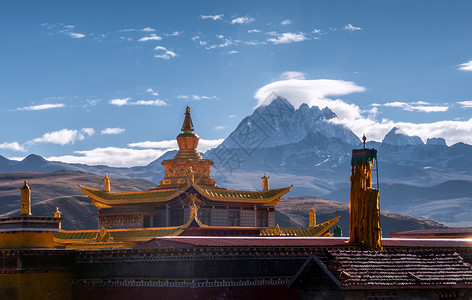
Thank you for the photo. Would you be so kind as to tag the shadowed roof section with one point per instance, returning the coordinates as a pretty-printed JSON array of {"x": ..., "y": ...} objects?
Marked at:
[{"x": 355, "y": 269}]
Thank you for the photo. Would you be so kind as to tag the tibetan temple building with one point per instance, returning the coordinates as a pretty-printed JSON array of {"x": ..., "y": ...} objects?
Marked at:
[
  {"x": 186, "y": 202},
  {"x": 188, "y": 238}
]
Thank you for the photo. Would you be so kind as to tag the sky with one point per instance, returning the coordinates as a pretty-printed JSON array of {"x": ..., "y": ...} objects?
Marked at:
[{"x": 107, "y": 82}]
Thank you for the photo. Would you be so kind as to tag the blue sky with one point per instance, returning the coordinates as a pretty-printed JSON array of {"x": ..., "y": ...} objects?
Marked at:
[{"x": 107, "y": 82}]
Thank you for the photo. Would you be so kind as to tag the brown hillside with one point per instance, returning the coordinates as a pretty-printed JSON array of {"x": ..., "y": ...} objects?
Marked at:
[
  {"x": 59, "y": 189},
  {"x": 296, "y": 212}
]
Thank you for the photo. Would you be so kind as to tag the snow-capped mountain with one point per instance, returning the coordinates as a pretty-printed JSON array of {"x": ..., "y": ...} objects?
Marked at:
[
  {"x": 305, "y": 148},
  {"x": 279, "y": 123},
  {"x": 399, "y": 139}
]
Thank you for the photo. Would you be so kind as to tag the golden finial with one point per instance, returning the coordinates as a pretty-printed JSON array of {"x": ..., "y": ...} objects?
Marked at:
[
  {"x": 25, "y": 200},
  {"x": 106, "y": 183},
  {"x": 187, "y": 126},
  {"x": 265, "y": 182},
  {"x": 57, "y": 213},
  {"x": 312, "y": 218}
]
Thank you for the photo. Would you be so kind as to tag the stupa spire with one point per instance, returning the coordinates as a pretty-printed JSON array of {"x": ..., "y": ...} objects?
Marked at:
[{"x": 187, "y": 126}]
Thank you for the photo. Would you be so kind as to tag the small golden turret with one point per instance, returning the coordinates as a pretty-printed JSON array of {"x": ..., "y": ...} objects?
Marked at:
[
  {"x": 187, "y": 126},
  {"x": 312, "y": 220},
  {"x": 57, "y": 213},
  {"x": 106, "y": 183},
  {"x": 187, "y": 140},
  {"x": 25, "y": 200},
  {"x": 265, "y": 182}
]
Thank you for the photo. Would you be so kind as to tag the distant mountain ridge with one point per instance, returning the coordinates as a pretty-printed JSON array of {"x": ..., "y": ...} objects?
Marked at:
[{"x": 305, "y": 148}]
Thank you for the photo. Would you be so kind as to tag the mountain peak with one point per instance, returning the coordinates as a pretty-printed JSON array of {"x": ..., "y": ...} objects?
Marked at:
[
  {"x": 400, "y": 139},
  {"x": 278, "y": 104},
  {"x": 436, "y": 141},
  {"x": 33, "y": 158}
]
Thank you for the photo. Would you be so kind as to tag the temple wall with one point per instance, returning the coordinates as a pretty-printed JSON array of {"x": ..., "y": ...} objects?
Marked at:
[
  {"x": 219, "y": 217},
  {"x": 271, "y": 218},
  {"x": 186, "y": 215},
  {"x": 159, "y": 219},
  {"x": 247, "y": 218}
]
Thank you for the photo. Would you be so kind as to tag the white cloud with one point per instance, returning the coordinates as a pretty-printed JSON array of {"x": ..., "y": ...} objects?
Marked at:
[
  {"x": 149, "y": 102},
  {"x": 175, "y": 33},
  {"x": 203, "y": 144},
  {"x": 197, "y": 97},
  {"x": 212, "y": 17},
  {"x": 148, "y": 29},
  {"x": 316, "y": 92},
  {"x": 62, "y": 137},
  {"x": 467, "y": 66},
  {"x": 254, "y": 31},
  {"x": 167, "y": 144},
  {"x": 152, "y": 92},
  {"x": 15, "y": 146},
  {"x": 164, "y": 53},
  {"x": 120, "y": 102},
  {"x": 42, "y": 106},
  {"x": 254, "y": 43},
  {"x": 233, "y": 52},
  {"x": 226, "y": 43},
  {"x": 91, "y": 102},
  {"x": 312, "y": 92},
  {"x": 452, "y": 131},
  {"x": 126, "y": 101},
  {"x": 75, "y": 35},
  {"x": 288, "y": 37},
  {"x": 316, "y": 31},
  {"x": 111, "y": 156},
  {"x": 197, "y": 37},
  {"x": 286, "y": 22},
  {"x": 242, "y": 20},
  {"x": 220, "y": 36},
  {"x": 292, "y": 75},
  {"x": 351, "y": 28},
  {"x": 465, "y": 104},
  {"x": 419, "y": 106},
  {"x": 112, "y": 131},
  {"x": 151, "y": 37},
  {"x": 88, "y": 131},
  {"x": 218, "y": 127}
]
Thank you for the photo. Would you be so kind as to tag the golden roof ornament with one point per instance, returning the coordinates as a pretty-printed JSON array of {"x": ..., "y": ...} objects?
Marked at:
[
  {"x": 57, "y": 213},
  {"x": 187, "y": 126}
]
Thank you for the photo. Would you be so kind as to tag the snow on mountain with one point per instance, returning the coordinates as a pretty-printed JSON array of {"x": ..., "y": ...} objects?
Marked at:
[
  {"x": 279, "y": 123},
  {"x": 399, "y": 139}
]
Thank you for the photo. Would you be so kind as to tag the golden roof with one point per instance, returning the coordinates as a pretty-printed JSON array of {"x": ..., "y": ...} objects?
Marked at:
[
  {"x": 318, "y": 230},
  {"x": 103, "y": 199}
]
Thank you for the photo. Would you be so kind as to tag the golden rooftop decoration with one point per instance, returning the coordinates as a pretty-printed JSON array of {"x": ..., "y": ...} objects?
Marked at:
[
  {"x": 25, "y": 200},
  {"x": 57, "y": 213},
  {"x": 106, "y": 183},
  {"x": 265, "y": 182},
  {"x": 187, "y": 165}
]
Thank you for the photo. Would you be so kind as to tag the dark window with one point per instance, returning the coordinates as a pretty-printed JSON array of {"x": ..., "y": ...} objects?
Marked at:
[
  {"x": 176, "y": 216},
  {"x": 204, "y": 215},
  {"x": 262, "y": 219},
  {"x": 155, "y": 220},
  {"x": 147, "y": 221},
  {"x": 234, "y": 218}
]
